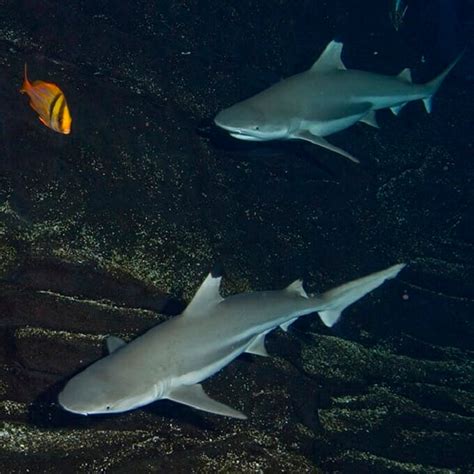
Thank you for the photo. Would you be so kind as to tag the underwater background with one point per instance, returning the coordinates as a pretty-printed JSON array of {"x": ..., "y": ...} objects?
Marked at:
[{"x": 111, "y": 229}]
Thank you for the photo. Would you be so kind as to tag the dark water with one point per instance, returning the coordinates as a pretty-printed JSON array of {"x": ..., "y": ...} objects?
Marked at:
[{"x": 111, "y": 229}]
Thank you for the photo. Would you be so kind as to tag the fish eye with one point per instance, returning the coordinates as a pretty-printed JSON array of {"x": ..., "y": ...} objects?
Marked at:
[
  {"x": 107, "y": 407},
  {"x": 257, "y": 127}
]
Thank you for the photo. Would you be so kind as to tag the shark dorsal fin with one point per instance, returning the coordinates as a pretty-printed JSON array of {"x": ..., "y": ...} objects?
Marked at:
[
  {"x": 330, "y": 58},
  {"x": 405, "y": 75},
  {"x": 297, "y": 288},
  {"x": 207, "y": 295}
]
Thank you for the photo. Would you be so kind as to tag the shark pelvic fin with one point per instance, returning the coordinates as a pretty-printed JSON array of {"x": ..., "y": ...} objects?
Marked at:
[
  {"x": 370, "y": 119},
  {"x": 257, "y": 346},
  {"x": 341, "y": 297},
  {"x": 428, "y": 103},
  {"x": 330, "y": 58},
  {"x": 405, "y": 75},
  {"x": 297, "y": 288},
  {"x": 195, "y": 396},
  {"x": 207, "y": 295},
  {"x": 114, "y": 343},
  {"x": 286, "y": 325},
  {"x": 396, "y": 108},
  {"x": 315, "y": 140}
]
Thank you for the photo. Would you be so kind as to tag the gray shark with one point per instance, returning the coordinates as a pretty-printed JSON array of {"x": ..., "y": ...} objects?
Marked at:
[
  {"x": 323, "y": 100},
  {"x": 171, "y": 359}
]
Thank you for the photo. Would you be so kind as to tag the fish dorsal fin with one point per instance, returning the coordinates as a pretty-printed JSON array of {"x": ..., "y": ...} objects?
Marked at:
[
  {"x": 26, "y": 82},
  {"x": 207, "y": 295},
  {"x": 297, "y": 288},
  {"x": 330, "y": 58},
  {"x": 405, "y": 75},
  {"x": 114, "y": 343}
]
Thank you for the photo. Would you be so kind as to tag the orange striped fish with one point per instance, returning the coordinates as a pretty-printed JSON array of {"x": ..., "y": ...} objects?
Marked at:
[{"x": 48, "y": 100}]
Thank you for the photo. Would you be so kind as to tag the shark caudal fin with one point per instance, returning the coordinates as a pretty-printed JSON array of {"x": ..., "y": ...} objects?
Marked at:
[
  {"x": 341, "y": 297},
  {"x": 433, "y": 85}
]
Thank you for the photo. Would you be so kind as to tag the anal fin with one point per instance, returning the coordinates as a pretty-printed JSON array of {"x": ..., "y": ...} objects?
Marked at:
[
  {"x": 286, "y": 325},
  {"x": 316, "y": 140},
  {"x": 114, "y": 343},
  {"x": 195, "y": 396}
]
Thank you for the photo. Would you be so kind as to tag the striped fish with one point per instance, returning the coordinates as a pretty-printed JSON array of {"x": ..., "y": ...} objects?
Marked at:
[{"x": 48, "y": 100}]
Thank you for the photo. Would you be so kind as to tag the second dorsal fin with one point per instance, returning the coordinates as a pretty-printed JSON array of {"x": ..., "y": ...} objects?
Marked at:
[
  {"x": 405, "y": 75},
  {"x": 297, "y": 288}
]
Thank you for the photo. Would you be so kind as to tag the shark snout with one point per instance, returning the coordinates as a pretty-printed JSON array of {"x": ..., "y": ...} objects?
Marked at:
[
  {"x": 68, "y": 404},
  {"x": 224, "y": 120},
  {"x": 240, "y": 119}
]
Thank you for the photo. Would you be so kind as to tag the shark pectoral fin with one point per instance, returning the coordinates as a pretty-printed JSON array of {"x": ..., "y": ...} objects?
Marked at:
[
  {"x": 330, "y": 58},
  {"x": 257, "y": 346},
  {"x": 309, "y": 137},
  {"x": 195, "y": 396},
  {"x": 207, "y": 295},
  {"x": 114, "y": 343},
  {"x": 286, "y": 325},
  {"x": 370, "y": 119}
]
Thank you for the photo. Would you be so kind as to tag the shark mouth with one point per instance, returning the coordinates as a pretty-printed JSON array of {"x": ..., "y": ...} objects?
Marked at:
[{"x": 244, "y": 136}]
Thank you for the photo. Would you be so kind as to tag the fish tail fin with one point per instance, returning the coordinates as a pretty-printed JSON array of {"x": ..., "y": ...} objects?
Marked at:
[
  {"x": 433, "y": 85},
  {"x": 341, "y": 297}
]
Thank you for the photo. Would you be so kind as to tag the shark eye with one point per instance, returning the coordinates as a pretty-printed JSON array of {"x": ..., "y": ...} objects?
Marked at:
[
  {"x": 107, "y": 407},
  {"x": 256, "y": 127}
]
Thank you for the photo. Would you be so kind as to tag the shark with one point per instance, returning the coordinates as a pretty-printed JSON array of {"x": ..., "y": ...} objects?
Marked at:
[
  {"x": 324, "y": 100},
  {"x": 171, "y": 360}
]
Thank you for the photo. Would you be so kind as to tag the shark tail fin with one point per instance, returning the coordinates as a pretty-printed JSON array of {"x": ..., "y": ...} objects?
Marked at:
[
  {"x": 341, "y": 297},
  {"x": 433, "y": 85}
]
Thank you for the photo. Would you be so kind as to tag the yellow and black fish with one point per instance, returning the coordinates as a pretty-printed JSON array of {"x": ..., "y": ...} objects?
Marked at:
[{"x": 48, "y": 100}]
